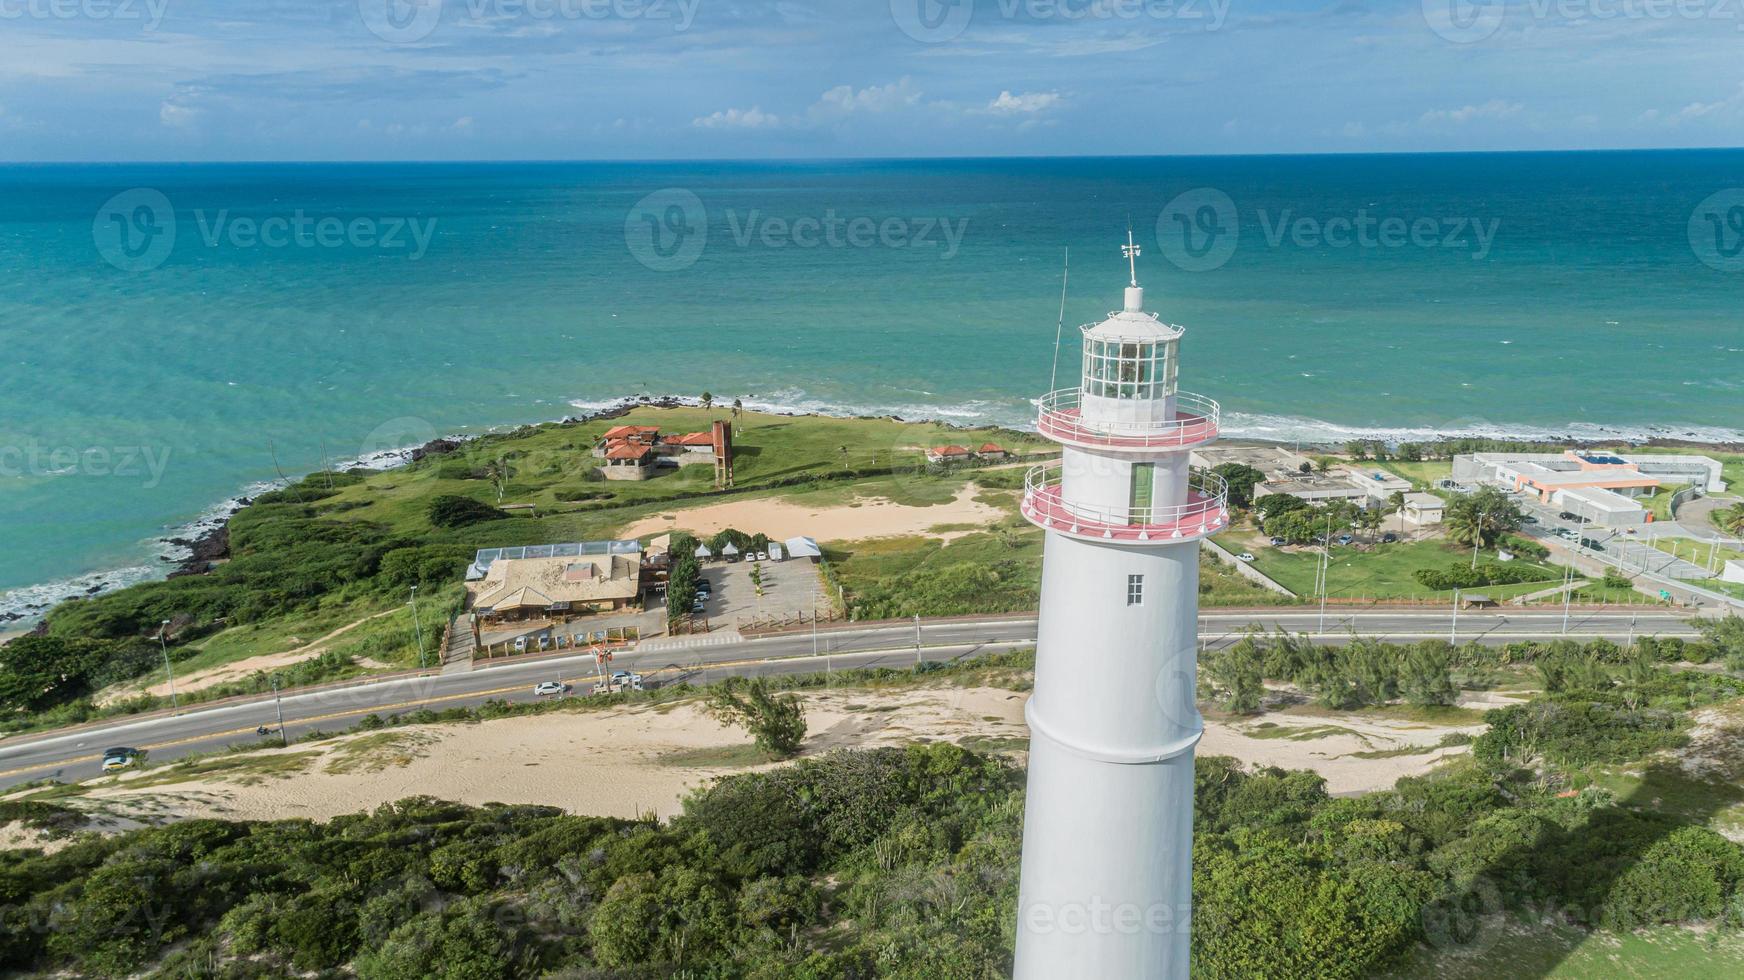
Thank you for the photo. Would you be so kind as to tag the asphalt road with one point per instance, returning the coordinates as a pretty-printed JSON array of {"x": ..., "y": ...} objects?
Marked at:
[{"x": 76, "y": 754}]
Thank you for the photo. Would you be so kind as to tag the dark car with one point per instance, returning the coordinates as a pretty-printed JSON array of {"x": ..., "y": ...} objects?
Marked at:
[
  {"x": 1389, "y": 538},
  {"x": 1565, "y": 515}
]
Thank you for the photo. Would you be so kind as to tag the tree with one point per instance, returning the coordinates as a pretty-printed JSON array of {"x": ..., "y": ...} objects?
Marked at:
[
  {"x": 1396, "y": 505},
  {"x": 1425, "y": 674},
  {"x": 1730, "y": 519},
  {"x": 1235, "y": 674},
  {"x": 776, "y": 722},
  {"x": 1357, "y": 449},
  {"x": 1477, "y": 519},
  {"x": 738, "y": 408},
  {"x": 1241, "y": 479},
  {"x": 708, "y": 400},
  {"x": 497, "y": 471}
]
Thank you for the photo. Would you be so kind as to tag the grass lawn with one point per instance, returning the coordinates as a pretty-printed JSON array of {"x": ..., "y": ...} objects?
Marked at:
[
  {"x": 1698, "y": 552},
  {"x": 1383, "y": 572},
  {"x": 1510, "y": 948},
  {"x": 546, "y": 462},
  {"x": 1423, "y": 473}
]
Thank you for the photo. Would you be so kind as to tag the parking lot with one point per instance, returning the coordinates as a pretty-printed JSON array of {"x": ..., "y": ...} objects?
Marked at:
[{"x": 789, "y": 588}]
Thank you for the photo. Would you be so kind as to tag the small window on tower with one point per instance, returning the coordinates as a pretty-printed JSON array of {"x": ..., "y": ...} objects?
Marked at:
[{"x": 1135, "y": 590}]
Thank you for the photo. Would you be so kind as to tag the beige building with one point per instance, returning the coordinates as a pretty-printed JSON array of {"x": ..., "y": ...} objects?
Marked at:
[
  {"x": 554, "y": 581},
  {"x": 1424, "y": 508}
]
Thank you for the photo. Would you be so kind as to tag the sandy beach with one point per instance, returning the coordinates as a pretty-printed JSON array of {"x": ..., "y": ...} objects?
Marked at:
[
  {"x": 644, "y": 759},
  {"x": 780, "y": 518}
]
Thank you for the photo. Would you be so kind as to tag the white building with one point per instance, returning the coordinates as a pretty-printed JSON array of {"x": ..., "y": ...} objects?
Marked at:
[
  {"x": 1424, "y": 508},
  {"x": 1106, "y": 887},
  {"x": 1596, "y": 486}
]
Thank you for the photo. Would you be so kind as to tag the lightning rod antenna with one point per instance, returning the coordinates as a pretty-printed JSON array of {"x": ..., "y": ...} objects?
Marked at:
[{"x": 1060, "y": 327}]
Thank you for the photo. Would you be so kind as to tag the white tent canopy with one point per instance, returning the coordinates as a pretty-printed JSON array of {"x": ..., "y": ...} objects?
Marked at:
[
  {"x": 729, "y": 551},
  {"x": 703, "y": 553},
  {"x": 803, "y": 548}
]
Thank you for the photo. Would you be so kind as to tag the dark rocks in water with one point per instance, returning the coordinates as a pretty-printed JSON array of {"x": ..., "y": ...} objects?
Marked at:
[
  {"x": 203, "y": 551},
  {"x": 435, "y": 447}
]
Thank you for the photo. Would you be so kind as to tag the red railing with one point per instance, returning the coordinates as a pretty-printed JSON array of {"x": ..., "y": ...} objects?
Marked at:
[
  {"x": 1196, "y": 421},
  {"x": 1206, "y": 511}
]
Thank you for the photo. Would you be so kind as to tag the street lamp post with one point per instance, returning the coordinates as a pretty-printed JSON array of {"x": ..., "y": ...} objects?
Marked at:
[
  {"x": 1453, "y": 630},
  {"x": 164, "y": 645},
  {"x": 417, "y": 627},
  {"x": 279, "y": 707}
]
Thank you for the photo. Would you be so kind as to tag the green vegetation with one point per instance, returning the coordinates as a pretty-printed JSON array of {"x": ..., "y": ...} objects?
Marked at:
[
  {"x": 1385, "y": 571},
  {"x": 903, "y": 862},
  {"x": 776, "y": 721},
  {"x": 335, "y": 549}
]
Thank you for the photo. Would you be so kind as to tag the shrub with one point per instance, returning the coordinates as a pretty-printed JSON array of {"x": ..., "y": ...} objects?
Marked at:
[{"x": 451, "y": 510}]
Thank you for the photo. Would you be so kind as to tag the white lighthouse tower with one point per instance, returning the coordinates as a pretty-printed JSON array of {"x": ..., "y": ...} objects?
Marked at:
[{"x": 1108, "y": 825}]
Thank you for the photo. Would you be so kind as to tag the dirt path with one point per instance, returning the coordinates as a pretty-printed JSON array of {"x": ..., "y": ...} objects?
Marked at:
[{"x": 236, "y": 670}]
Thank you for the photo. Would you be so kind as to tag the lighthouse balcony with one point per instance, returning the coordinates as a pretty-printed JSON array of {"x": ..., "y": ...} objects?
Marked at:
[
  {"x": 1205, "y": 512},
  {"x": 1062, "y": 420}
]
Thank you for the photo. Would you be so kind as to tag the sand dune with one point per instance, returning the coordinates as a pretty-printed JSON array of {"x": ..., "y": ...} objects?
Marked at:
[{"x": 780, "y": 518}]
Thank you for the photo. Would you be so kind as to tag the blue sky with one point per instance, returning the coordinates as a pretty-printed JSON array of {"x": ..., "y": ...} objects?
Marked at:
[{"x": 115, "y": 80}]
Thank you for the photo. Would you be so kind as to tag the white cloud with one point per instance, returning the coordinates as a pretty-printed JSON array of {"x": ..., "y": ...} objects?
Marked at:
[
  {"x": 752, "y": 118},
  {"x": 844, "y": 100},
  {"x": 1023, "y": 104},
  {"x": 462, "y": 125},
  {"x": 1493, "y": 109},
  {"x": 177, "y": 115}
]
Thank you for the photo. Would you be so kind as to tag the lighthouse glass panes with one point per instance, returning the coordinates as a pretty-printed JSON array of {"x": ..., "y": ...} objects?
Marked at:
[{"x": 1119, "y": 369}]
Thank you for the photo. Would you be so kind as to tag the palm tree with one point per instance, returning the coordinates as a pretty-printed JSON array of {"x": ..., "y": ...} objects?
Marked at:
[
  {"x": 738, "y": 408},
  {"x": 708, "y": 400},
  {"x": 498, "y": 472},
  {"x": 1396, "y": 505},
  {"x": 1730, "y": 519}
]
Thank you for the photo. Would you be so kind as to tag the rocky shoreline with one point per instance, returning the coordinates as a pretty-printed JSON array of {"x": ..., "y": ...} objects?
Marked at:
[{"x": 206, "y": 542}]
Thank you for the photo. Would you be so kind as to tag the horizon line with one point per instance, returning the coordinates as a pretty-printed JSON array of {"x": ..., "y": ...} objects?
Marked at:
[{"x": 871, "y": 159}]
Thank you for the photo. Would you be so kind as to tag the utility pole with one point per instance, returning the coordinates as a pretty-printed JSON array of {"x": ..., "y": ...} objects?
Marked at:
[
  {"x": 164, "y": 645},
  {"x": 279, "y": 707},
  {"x": 917, "y": 639},
  {"x": 1478, "y": 538},
  {"x": 418, "y": 627},
  {"x": 1453, "y": 631}
]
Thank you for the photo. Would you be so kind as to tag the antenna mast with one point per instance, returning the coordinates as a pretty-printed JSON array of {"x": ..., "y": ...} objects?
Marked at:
[{"x": 1060, "y": 327}]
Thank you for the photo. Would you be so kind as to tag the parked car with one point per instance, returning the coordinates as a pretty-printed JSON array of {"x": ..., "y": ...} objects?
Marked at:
[
  {"x": 1565, "y": 515},
  {"x": 1278, "y": 542},
  {"x": 520, "y": 644},
  {"x": 1592, "y": 543},
  {"x": 1528, "y": 519},
  {"x": 548, "y": 689},
  {"x": 624, "y": 680},
  {"x": 1244, "y": 556},
  {"x": 760, "y": 556},
  {"x": 119, "y": 758},
  {"x": 703, "y": 588},
  {"x": 1345, "y": 539},
  {"x": 1389, "y": 538}
]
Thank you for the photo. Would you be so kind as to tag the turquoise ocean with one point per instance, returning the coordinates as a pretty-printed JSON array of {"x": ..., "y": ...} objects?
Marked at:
[{"x": 172, "y": 336}]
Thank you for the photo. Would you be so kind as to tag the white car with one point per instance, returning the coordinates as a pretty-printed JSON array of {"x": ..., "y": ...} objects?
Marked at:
[
  {"x": 1244, "y": 556},
  {"x": 548, "y": 689}
]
